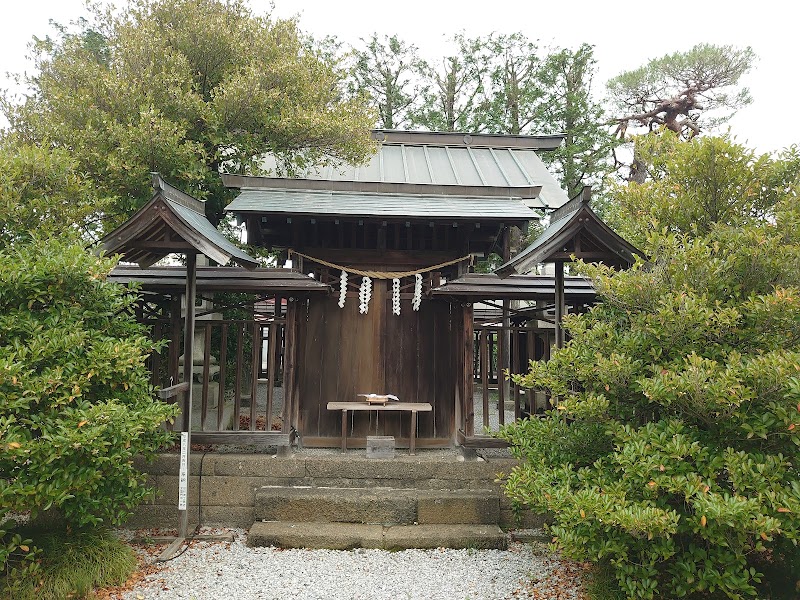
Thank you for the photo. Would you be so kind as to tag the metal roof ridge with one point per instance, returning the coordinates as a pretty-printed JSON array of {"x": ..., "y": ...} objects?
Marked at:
[
  {"x": 175, "y": 195},
  {"x": 453, "y": 138}
]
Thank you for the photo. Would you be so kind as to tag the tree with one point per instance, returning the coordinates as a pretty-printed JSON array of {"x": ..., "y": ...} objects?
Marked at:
[
  {"x": 566, "y": 77},
  {"x": 516, "y": 101},
  {"x": 682, "y": 91},
  {"x": 42, "y": 192},
  {"x": 696, "y": 185},
  {"x": 76, "y": 404},
  {"x": 673, "y": 455},
  {"x": 186, "y": 88},
  {"x": 501, "y": 84},
  {"x": 454, "y": 92},
  {"x": 386, "y": 70}
]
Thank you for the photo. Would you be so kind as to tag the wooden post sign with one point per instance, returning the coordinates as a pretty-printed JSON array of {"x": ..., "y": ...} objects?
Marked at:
[{"x": 183, "y": 475}]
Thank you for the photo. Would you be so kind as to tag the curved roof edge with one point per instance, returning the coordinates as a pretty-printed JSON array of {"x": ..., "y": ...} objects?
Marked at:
[
  {"x": 171, "y": 222},
  {"x": 567, "y": 224}
]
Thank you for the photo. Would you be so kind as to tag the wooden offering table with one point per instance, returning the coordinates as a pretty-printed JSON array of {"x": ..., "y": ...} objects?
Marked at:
[{"x": 412, "y": 407}]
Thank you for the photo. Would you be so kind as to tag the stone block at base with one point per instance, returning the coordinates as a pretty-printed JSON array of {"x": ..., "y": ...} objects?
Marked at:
[
  {"x": 380, "y": 446},
  {"x": 482, "y": 537},
  {"x": 330, "y": 536},
  {"x": 346, "y": 536}
]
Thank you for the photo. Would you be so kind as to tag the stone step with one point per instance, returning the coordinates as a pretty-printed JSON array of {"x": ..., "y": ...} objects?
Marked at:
[
  {"x": 346, "y": 536},
  {"x": 377, "y": 506}
]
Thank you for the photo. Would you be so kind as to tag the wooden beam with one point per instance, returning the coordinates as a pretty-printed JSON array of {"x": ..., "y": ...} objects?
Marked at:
[
  {"x": 479, "y": 441},
  {"x": 560, "y": 306},
  {"x": 173, "y": 390},
  {"x": 263, "y": 438},
  {"x": 171, "y": 245}
]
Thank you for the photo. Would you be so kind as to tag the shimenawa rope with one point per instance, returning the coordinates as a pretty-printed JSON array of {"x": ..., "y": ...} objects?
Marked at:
[{"x": 380, "y": 274}]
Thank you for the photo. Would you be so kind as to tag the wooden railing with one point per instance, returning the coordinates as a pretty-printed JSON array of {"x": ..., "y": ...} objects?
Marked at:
[
  {"x": 237, "y": 393},
  {"x": 496, "y": 399}
]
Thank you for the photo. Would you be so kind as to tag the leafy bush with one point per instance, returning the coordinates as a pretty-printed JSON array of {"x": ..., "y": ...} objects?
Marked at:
[
  {"x": 673, "y": 455},
  {"x": 76, "y": 405}
]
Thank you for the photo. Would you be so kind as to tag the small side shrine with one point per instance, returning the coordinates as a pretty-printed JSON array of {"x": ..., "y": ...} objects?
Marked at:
[
  {"x": 174, "y": 222},
  {"x": 575, "y": 232}
]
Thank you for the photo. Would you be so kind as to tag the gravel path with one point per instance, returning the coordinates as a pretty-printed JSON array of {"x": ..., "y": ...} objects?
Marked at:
[{"x": 232, "y": 570}]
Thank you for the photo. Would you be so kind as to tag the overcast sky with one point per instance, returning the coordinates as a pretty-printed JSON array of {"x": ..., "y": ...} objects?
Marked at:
[{"x": 625, "y": 35}]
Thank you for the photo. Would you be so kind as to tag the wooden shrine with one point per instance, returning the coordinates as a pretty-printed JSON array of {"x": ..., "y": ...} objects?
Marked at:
[{"x": 377, "y": 294}]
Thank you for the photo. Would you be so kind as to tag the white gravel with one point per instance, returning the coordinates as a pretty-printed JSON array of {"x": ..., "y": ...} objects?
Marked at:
[{"x": 210, "y": 571}]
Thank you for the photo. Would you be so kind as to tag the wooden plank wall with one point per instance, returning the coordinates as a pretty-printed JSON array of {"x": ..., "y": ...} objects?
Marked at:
[{"x": 345, "y": 353}]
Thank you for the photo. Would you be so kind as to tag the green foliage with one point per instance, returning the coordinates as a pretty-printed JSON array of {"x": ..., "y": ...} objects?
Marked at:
[
  {"x": 73, "y": 564},
  {"x": 385, "y": 70},
  {"x": 454, "y": 90},
  {"x": 76, "y": 405},
  {"x": 673, "y": 456},
  {"x": 602, "y": 584},
  {"x": 696, "y": 184},
  {"x": 684, "y": 91},
  {"x": 187, "y": 88},
  {"x": 516, "y": 95},
  {"x": 42, "y": 191},
  {"x": 18, "y": 557},
  {"x": 585, "y": 157},
  {"x": 503, "y": 84}
]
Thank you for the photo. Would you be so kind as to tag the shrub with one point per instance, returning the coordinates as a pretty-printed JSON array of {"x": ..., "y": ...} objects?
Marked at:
[
  {"x": 76, "y": 405},
  {"x": 673, "y": 454}
]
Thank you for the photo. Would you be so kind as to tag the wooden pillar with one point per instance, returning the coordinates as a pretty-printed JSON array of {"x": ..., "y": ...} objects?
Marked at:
[
  {"x": 188, "y": 353},
  {"x": 290, "y": 407},
  {"x": 560, "y": 305},
  {"x": 466, "y": 371},
  {"x": 485, "y": 358},
  {"x": 503, "y": 362},
  {"x": 255, "y": 366},
  {"x": 175, "y": 338},
  {"x": 506, "y": 245}
]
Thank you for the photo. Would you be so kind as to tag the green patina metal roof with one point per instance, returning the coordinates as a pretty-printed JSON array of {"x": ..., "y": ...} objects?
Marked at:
[
  {"x": 575, "y": 220},
  {"x": 363, "y": 204},
  {"x": 171, "y": 222},
  {"x": 422, "y": 167},
  {"x": 490, "y": 286}
]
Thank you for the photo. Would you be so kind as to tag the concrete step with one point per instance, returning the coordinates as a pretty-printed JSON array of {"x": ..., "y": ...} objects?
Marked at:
[
  {"x": 377, "y": 506},
  {"x": 345, "y": 536}
]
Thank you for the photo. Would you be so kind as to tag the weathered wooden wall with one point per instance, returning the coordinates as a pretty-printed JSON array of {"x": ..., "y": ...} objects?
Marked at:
[{"x": 342, "y": 353}]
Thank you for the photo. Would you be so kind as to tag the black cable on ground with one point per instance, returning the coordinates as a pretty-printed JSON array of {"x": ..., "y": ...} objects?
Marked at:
[{"x": 190, "y": 539}]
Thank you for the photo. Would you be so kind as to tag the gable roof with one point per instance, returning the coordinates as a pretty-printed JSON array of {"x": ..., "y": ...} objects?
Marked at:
[
  {"x": 432, "y": 164},
  {"x": 574, "y": 230},
  {"x": 171, "y": 222}
]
